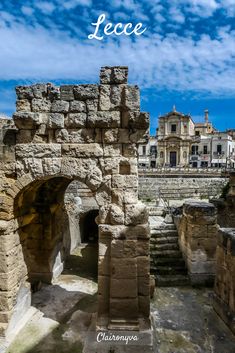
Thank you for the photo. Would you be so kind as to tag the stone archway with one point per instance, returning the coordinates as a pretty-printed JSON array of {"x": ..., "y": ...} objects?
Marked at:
[{"x": 88, "y": 133}]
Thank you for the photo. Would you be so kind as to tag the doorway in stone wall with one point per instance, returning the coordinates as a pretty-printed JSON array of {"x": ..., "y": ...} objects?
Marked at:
[
  {"x": 59, "y": 241},
  {"x": 173, "y": 158},
  {"x": 83, "y": 212}
]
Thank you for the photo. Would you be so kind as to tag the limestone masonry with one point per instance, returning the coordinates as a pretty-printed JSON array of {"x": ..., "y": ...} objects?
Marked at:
[{"x": 87, "y": 133}]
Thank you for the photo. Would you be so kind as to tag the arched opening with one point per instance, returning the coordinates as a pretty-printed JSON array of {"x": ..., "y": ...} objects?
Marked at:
[{"x": 52, "y": 228}]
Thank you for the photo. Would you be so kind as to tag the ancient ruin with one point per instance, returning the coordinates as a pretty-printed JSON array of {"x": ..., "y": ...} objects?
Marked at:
[
  {"x": 87, "y": 133},
  {"x": 69, "y": 181}
]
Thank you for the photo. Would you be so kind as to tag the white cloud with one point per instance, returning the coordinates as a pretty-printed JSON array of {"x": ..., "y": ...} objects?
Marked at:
[
  {"x": 71, "y": 4},
  {"x": 45, "y": 6},
  {"x": 164, "y": 61},
  {"x": 26, "y": 10},
  {"x": 176, "y": 15}
]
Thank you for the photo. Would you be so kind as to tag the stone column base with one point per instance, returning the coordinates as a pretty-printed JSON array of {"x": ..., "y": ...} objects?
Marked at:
[{"x": 120, "y": 341}]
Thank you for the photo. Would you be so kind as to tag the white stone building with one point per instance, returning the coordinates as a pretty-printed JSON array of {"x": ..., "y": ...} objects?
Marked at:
[
  {"x": 213, "y": 150},
  {"x": 179, "y": 142}
]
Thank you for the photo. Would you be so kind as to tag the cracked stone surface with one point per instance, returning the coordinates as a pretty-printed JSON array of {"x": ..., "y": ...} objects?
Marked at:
[{"x": 185, "y": 322}]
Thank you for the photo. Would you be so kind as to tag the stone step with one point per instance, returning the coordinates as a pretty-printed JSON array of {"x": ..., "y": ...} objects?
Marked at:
[
  {"x": 170, "y": 270},
  {"x": 171, "y": 280},
  {"x": 163, "y": 226},
  {"x": 164, "y": 240},
  {"x": 167, "y": 253},
  {"x": 165, "y": 246},
  {"x": 164, "y": 231},
  {"x": 167, "y": 261}
]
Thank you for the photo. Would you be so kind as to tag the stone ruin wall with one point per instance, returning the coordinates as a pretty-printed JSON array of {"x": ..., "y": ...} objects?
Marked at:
[
  {"x": 224, "y": 298},
  {"x": 87, "y": 133},
  {"x": 179, "y": 188},
  {"x": 210, "y": 250},
  {"x": 197, "y": 229}
]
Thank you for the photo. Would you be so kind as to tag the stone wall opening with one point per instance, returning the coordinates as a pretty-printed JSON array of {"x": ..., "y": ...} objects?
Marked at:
[
  {"x": 42, "y": 222},
  {"x": 89, "y": 227}
]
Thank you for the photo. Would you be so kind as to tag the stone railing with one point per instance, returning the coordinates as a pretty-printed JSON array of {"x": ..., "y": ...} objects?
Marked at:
[
  {"x": 224, "y": 297},
  {"x": 183, "y": 171},
  {"x": 197, "y": 228}
]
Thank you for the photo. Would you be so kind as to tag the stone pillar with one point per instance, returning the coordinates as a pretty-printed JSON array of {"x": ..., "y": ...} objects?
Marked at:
[
  {"x": 197, "y": 235},
  {"x": 224, "y": 297}
]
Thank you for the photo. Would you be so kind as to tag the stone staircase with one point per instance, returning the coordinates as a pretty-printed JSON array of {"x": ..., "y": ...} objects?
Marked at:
[{"x": 167, "y": 263}]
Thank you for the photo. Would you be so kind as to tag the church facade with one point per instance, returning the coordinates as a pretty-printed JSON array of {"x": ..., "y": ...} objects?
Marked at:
[
  {"x": 181, "y": 142},
  {"x": 174, "y": 135}
]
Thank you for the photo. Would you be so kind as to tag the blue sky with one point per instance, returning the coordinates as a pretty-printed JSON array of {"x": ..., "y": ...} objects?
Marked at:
[{"x": 185, "y": 57}]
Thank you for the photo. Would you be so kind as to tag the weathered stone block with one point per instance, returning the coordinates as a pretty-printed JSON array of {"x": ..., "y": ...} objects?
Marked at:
[
  {"x": 130, "y": 150},
  {"x": 109, "y": 165},
  {"x": 27, "y": 120},
  {"x": 124, "y": 308},
  {"x": 24, "y": 136},
  {"x": 112, "y": 150},
  {"x": 124, "y": 288},
  {"x": 200, "y": 212},
  {"x": 6, "y": 301},
  {"x": 82, "y": 150},
  {"x": 59, "y": 106},
  {"x": 116, "y": 214},
  {"x": 104, "y": 98},
  {"x": 24, "y": 92},
  {"x": 113, "y": 75},
  {"x": 121, "y": 197},
  {"x": 124, "y": 181},
  {"x": 92, "y": 105},
  {"x": 135, "y": 214},
  {"x": 75, "y": 136},
  {"x": 77, "y": 107},
  {"x": 39, "y": 90},
  {"x": 132, "y": 98},
  {"x": 139, "y": 136},
  {"x": 104, "y": 119},
  {"x": 38, "y": 150},
  {"x": 144, "y": 305},
  {"x": 83, "y": 92},
  {"x": 135, "y": 120},
  {"x": 143, "y": 266},
  {"x": 111, "y": 97},
  {"x": 23, "y": 105},
  {"x": 56, "y": 121},
  {"x": 41, "y": 105},
  {"x": 76, "y": 167},
  {"x": 76, "y": 120},
  {"x": 124, "y": 267},
  {"x": 103, "y": 194},
  {"x": 123, "y": 248},
  {"x": 123, "y": 136},
  {"x": 144, "y": 285},
  {"x": 51, "y": 166},
  {"x": 140, "y": 231},
  {"x": 110, "y": 135}
]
